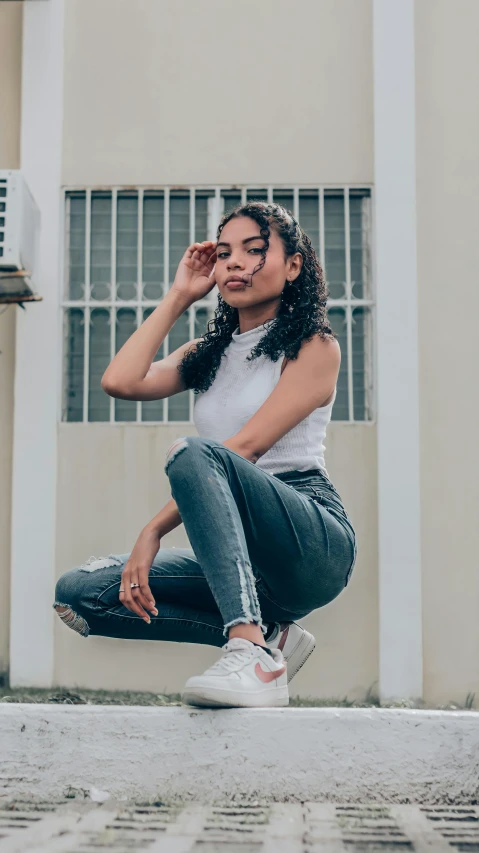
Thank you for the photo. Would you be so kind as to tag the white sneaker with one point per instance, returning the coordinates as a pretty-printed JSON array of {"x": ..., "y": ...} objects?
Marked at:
[
  {"x": 245, "y": 676},
  {"x": 294, "y": 642}
]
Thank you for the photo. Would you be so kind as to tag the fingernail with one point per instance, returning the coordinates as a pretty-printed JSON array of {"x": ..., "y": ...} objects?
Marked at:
[
  {"x": 147, "y": 620},
  {"x": 154, "y": 611}
]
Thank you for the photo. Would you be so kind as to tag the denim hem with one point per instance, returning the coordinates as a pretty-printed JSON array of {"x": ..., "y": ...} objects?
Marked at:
[{"x": 242, "y": 621}]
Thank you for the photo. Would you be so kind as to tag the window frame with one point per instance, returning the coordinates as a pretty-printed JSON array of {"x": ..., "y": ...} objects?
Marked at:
[{"x": 347, "y": 303}]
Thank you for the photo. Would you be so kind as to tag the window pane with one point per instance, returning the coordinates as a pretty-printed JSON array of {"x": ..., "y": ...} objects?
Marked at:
[
  {"x": 179, "y": 407},
  {"x": 257, "y": 195},
  {"x": 334, "y": 255},
  {"x": 98, "y": 400},
  {"x": 179, "y": 229},
  {"x": 337, "y": 318},
  {"x": 361, "y": 335},
  {"x": 152, "y": 410},
  {"x": 179, "y": 404},
  {"x": 286, "y": 198},
  {"x": 332, "y": 258},
  {"x": 73, "y": 347},
  {"x": 232, "y": 198},
  {"x": 202, "y": 315},
  {"x": 100, "y": 249},
  {"x": 153, "y": 245},
  {"x": 309, "y": 217},
  {"x": 76, "y": 213},
  {"x": 125, "y": 410},
  {"x": 126, "y": 245},
  {"x": 360, "y": 225}
]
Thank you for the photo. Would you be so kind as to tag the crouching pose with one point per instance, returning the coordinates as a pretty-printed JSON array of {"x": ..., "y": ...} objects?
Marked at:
[{"x": 270, "y": 538}]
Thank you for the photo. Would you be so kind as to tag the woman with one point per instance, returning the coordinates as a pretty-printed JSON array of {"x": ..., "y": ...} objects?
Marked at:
[{"x": 271, "y": 540}]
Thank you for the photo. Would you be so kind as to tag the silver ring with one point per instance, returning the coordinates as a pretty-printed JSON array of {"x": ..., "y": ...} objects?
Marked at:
[
  {"x": 121, "y": 590},
  {"x": 134, "y": 585}
]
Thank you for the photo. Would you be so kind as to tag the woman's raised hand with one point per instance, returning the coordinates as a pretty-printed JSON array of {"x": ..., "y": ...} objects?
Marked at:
[{"x": 195, "y": 274}]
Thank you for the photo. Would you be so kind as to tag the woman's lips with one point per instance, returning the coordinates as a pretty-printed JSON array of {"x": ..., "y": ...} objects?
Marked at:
[{"x": 235, "y": 285}]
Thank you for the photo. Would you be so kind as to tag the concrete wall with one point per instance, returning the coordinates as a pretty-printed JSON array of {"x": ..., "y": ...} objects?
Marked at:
[
  {"x": 447, "y": 64},
  {"x": 131, "y": 116},
  {"x": 111, "y": 482},
  {"x": 10, "y": 83},
  {"x": 299, "y": 109},
  {"x": 269, "y": 92}
]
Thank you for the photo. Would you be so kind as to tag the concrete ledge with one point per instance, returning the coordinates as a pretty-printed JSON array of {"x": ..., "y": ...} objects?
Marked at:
[{"x": 286, "y": 754}]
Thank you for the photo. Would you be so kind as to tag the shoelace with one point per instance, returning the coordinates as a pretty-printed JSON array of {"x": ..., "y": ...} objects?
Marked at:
[{"x": 232, "y": 658}]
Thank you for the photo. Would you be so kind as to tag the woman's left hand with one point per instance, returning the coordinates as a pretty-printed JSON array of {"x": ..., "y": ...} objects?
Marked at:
[{"x": 138, "y": 598}]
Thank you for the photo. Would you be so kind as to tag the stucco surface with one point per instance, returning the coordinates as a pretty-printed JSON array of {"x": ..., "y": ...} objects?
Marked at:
[
  {"x": 391, "y": 755},
  {"x": 111, "y": 483}
]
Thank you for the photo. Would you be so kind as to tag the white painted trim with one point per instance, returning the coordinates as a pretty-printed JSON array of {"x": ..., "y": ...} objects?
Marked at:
[
  {"x": 400, "y": 617},
  {"x": 37, "y": 359}
]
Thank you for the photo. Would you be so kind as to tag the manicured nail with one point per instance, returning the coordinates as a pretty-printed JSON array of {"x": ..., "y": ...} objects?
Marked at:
[
  {"x": 154, "y": 611},
  {"x": 147, "y": 620}
]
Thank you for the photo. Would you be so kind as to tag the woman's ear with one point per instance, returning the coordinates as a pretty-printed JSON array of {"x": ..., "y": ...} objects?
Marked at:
[{"x": 296, "y": 264}]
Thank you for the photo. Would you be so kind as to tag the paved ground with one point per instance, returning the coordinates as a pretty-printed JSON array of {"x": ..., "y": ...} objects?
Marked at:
[{"x": 81, "y": 826}]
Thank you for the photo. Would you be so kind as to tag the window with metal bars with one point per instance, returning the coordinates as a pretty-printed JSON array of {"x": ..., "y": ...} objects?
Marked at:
[{"x": 122, "y": 250}]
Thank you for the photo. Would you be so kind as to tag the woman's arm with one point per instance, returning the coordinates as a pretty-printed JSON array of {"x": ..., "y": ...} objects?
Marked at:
[
  {"x": 133, "y": 361},
  {"x": 193, "y": 280},
  {"x": 167, "y": 519}
]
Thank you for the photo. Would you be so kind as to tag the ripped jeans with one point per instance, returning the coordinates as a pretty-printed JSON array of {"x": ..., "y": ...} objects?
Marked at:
[{"x": 265, "y": 548}]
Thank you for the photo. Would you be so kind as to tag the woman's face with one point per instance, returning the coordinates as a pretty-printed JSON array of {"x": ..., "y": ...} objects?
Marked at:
[{"x": 241, "y": 255}]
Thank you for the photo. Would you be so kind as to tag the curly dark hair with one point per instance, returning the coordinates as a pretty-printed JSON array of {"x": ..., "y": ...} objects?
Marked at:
[{"x": 301, "y": 315}]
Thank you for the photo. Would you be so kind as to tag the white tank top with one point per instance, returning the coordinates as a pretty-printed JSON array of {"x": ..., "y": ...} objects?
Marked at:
[{"x": 239, "y": 389}]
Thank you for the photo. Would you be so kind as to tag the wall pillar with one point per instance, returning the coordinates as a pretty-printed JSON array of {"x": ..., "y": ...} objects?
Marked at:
[
  {"x": 400, "y": 604},
  {"x": 38, "y": 357}
]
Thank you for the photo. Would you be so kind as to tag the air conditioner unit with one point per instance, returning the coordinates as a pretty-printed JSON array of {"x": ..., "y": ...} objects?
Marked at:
[{"x": 19, "y": 235}]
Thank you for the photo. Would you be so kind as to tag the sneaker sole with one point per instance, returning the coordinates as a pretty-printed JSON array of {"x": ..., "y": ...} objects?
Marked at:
[
  {"x": 300, "y": 654},
  {"x": 216, "y": 698}
]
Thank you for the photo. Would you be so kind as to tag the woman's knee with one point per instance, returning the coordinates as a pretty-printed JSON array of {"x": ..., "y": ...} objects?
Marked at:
[
  {"x": 68, "y": 602},
  {"x": 192, "y": 443},
  {"x": 77, "y": 589}
]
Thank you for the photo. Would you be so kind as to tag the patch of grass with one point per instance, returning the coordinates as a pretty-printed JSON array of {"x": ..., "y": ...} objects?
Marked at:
[{"x": 80, "y": 696}]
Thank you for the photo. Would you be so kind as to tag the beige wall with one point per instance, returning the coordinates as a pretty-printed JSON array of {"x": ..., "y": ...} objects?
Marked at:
[
  {"x": 131, "y": 117},
  {"x": 447, "y": 70},
  {"x": 111, "y": 482},
  {"x": 269, "y": 92},
  {"x": 10, "y": 82},
  {"x": 160, "y": 97}
]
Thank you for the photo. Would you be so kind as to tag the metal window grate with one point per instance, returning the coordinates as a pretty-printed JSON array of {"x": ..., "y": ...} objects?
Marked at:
[{"x": 122, "y": 249}]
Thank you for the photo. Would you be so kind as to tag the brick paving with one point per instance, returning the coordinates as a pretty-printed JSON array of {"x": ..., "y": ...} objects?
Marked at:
[{"x": 78, "y": 825}]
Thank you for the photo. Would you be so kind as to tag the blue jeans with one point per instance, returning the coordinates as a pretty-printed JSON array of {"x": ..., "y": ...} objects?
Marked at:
[{"x": 265, "y": 548}]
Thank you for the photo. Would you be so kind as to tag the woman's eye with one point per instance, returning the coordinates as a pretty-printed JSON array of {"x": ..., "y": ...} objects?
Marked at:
[{"x": 221, "y": 254}]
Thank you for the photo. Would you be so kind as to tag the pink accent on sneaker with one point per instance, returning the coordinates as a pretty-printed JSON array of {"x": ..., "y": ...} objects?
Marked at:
[{"x": 268, "y": 675}]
